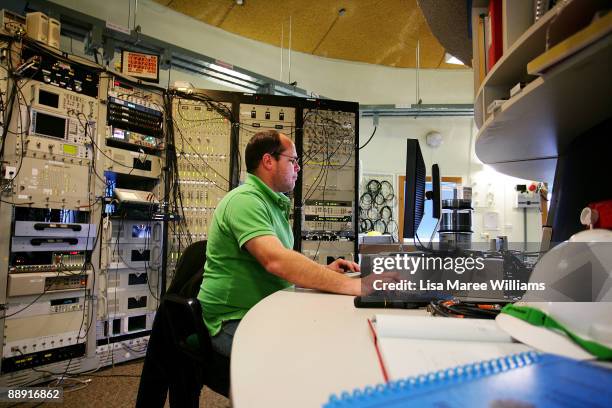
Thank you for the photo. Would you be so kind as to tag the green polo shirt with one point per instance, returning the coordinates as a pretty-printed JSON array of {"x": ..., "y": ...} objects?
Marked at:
[{"x": 233, "y": 279}]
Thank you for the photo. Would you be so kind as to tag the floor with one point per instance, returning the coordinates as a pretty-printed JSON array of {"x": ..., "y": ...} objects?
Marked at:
[{"x": 113, "y": 387}]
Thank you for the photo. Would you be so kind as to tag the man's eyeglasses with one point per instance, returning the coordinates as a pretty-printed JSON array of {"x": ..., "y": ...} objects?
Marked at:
[{"x": 293, "y": 160}]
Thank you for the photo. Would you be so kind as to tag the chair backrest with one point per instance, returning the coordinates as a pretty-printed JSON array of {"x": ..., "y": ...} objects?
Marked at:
[
  {"x": 182, "y": 309},
  {"x": 189, "y": 270},
  {"x": 184, "y": 319},
  {"x": 183, "y": 316}
]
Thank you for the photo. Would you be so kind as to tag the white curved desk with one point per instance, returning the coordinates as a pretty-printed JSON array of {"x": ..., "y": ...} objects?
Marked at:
[{"x": 297, "y": 347}]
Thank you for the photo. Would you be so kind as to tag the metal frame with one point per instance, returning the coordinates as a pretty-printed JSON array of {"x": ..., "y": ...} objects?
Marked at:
[
  {"x": 417, "y": 110},
  {"x": 95, "y": 33}
]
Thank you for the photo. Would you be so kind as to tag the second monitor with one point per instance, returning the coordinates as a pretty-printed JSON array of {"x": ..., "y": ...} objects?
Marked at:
[{"x": 414, "y": 194}]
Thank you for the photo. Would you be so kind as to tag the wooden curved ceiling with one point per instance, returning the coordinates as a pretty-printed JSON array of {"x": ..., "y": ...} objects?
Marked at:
[{"x": 381, "y": 32}]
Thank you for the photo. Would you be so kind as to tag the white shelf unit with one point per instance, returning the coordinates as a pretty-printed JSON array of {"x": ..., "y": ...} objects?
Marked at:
[
  {"x": 512, "y": 66},
  {"x": 524, "y": 137}
]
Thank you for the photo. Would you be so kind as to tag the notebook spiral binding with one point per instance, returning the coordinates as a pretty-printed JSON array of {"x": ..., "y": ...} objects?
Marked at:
[{"x": 451, "y": 375}]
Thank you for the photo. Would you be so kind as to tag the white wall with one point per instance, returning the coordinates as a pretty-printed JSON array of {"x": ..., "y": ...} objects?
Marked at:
[{"x": 364, "y": 83}]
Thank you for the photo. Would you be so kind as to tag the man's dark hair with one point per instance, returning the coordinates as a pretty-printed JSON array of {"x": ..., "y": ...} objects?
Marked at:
[{"x": 267, "y": 141}]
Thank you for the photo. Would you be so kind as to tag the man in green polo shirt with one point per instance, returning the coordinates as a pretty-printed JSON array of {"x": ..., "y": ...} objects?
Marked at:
[{"x": 249, "y": 253}]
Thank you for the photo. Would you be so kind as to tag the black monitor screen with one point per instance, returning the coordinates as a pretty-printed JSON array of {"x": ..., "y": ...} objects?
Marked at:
[
  {"x": 48, "y": 98},
  {"x": 414, "y": 197},
  {"x": 49, "y": 125}
]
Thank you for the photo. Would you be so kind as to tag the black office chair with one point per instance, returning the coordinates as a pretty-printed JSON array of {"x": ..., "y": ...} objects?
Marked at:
[{"x": 180, "y": 358}]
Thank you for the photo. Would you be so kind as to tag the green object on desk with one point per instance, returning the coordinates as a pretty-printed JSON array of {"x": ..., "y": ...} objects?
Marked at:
[{"x": 538, "y": 318}]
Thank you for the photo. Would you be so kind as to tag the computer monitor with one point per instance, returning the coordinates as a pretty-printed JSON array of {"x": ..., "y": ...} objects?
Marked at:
[
  {"x": 435, "y": 192},
  {"x": 414, "y": 193}
]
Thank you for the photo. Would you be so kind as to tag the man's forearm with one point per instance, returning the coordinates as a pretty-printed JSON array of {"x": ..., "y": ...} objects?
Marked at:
[{"x": 301, "y": 271}]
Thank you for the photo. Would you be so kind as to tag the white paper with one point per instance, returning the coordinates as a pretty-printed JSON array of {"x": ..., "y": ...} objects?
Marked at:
[
  {"x": 408, "y": 357},
  {"x": 440, "y": 328},
  {"x": 415, "y": 345}
]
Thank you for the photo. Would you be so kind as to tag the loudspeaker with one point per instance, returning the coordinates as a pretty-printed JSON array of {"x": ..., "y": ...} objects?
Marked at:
[
  {"x": 53, "y": 38},
  {"x": 37, "y": 26}
]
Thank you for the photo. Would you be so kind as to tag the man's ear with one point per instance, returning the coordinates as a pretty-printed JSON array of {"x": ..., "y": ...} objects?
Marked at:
[{"x": 266, "y": 160}]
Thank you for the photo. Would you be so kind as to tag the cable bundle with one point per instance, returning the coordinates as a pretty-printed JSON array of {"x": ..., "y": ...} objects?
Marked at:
[
  {"x": 459, "y": 309},
  {"x": 376, "y": 208}
]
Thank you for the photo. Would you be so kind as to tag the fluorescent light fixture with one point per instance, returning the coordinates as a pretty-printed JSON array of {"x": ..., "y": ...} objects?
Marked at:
[
  {"x": 449, "y": 59},
  {"x": 232, "y": 72},
  {"x": 229, "y": 84}
]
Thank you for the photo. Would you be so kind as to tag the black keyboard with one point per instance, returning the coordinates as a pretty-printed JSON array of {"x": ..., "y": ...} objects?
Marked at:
[{"x": 383, "y": 300}]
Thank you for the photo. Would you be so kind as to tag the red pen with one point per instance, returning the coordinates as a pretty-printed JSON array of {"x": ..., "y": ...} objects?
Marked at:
[{"x": 380, "y": 360}]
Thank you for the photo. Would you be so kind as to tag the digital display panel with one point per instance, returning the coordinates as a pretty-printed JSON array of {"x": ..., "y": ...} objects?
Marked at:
[
  {"x": 65, "y": 301},
  {"x": 140, "y": 65},
  {"x": 49, "y": 125},
  {"x": 119, "y": 134},
  {"x": 70, "y": 149},
  {"x": 141, "y": 231}
]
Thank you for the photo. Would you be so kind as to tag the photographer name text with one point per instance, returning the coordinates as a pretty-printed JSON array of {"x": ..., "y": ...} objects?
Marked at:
[{"x": 427, "y": 285}]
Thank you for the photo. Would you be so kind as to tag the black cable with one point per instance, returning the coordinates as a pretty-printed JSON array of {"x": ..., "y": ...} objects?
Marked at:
[
  {"x": 84, "y": 271},
  {"x": 16, "y": 92},
  {"x": 420, "y": 245},
  {"x": 89, "y": 309},
  {"x": 373, "y": 133},
  {"x": 367, "y": 225},
  {"x": 386, "y": 189},
  {"x": 386, "y": 213},
  {"x": 182, "y": 155},
  {"x": 460, "y": 309},
  {"x": 147, "y": 267},
  {"x": 174, "y": 193},
  {"x": 376, "y": 203},
  {"x": 392, "y": 228},
  {"x": 323, "y": 194},
  {"x": 327, "y": 137},
  {"x": 373, "y": 187},
  {"x": 380, "y": 226},
  {"x": 324, "y": 168},
  {"x": 379, "y": 199},
  {"x": 85, "y": 298},
  {"x": 181, "y": 229},
  {"x": 33, "y": 44},
  {"x": 366, "y": 199}
]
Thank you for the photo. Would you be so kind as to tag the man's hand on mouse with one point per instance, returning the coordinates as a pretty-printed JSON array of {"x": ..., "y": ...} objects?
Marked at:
[{"x": 342, "y": 265}]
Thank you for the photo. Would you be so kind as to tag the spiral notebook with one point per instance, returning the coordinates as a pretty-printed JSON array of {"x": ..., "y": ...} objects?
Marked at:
[
  {"x": 527, "y": 379},
  {"x": 406, "y": 345}
]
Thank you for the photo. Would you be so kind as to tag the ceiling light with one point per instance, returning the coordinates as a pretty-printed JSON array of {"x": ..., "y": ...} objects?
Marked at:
[{"x": 449, "y": 59}]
